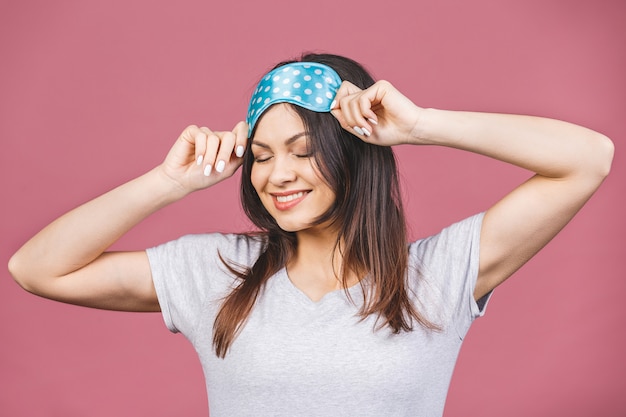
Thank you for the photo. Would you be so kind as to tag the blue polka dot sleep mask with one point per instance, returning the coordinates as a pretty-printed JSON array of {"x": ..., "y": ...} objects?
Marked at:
[{"x": 307, "y": 84}]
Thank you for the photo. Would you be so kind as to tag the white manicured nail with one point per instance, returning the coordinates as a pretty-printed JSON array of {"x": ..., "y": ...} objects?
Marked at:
[
  {"x": 358, "y": 130},
  {"x": 239, "y": 151},
  {"x": 365, "y": 131},
  {"x": 372, "y": 121},
  {"x": 199, "y": 160},
  {"x": 220, "y": 166},
  {"x": 207, "y": 170},
  {"x": 333, "y": 104}
]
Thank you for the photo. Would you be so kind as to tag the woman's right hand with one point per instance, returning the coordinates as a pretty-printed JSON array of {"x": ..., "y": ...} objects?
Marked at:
[
  {"x": 201, "y": 157},
  {"x": 66, "y": 261}
]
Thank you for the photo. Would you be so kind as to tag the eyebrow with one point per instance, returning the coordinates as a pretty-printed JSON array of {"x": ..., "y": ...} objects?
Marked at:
[{"x": 289, "y": 141}]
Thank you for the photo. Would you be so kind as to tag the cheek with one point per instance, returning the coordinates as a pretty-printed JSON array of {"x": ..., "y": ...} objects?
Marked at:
[
  {"x": 330, "y": 196},
  {"x": 257, "y": 178},
  {"x": 315, "y": 177}
]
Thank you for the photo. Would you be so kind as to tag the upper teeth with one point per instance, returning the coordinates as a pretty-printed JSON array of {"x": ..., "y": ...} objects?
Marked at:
[{"x": 290, "y": 197}]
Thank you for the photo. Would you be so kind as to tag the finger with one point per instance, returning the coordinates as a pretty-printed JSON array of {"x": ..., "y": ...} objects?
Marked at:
[
  {"x": 199, "y": 141},
  {"x": 363, "y": 117},
  {"x": 189, "y": 134},
  {"x": 347, "y": 120},
  {"x": 226, "y": 148},
  {"x": 350, "y": 114},
  {"x": 338, "y": 114},
  {"x": 346, "y": 89},
  {"x": 366, "y": 104},
  {"x": 241, "y": 138},
  {"x": 210, "y": 153},
  {"x": 370, "y": 101},
  {"x": 353, "y": 109},
  {"x": 358, "y": 104},
  {"x": 183, "y": 150},
  {"x": 343, "y": 110}
]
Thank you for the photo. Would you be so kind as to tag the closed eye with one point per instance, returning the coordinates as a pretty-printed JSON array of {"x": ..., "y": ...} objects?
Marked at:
[{"x": 262, "y": 158}]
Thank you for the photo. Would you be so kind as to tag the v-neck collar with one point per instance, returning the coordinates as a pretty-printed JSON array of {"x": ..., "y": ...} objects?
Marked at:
[{"x": 339, "y": 295}]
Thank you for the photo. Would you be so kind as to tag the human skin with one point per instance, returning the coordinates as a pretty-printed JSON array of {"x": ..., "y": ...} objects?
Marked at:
[{"x": 67, "y": 261}]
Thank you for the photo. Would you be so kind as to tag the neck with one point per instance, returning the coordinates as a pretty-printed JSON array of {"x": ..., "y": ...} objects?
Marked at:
[
  {"x": 316, "y": 245},
  {"x": 316, "y": 265}
]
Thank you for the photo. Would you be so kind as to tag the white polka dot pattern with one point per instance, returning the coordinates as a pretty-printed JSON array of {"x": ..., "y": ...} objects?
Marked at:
[{"x": 307, "y": 84}]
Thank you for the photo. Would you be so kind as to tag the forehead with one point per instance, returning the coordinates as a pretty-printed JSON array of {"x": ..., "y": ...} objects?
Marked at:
[{"x": 279, "y": 123}]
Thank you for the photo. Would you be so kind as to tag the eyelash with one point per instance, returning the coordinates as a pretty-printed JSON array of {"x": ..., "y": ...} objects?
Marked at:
[{"x": 261, "y": 160}]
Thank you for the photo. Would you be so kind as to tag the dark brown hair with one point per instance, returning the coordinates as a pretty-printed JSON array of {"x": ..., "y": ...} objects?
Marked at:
[{"x": 367, "y": 212}]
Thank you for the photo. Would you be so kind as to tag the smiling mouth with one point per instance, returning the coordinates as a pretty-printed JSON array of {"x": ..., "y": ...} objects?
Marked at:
[
  {"x": 287, "y": 201},
  {"x": 290, "y": 197}
]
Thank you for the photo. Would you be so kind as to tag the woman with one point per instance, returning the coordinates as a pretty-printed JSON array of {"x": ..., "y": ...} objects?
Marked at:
[{"x": 325, "y": 311}]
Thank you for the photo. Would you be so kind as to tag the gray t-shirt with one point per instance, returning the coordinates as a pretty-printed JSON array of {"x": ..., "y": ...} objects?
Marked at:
[{"x": 296, "y": 357}]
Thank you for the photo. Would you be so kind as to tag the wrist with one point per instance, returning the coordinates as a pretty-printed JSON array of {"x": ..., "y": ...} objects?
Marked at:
[
  {"x": 164, "y": 187},
  {"x": 421, "y": 132}
]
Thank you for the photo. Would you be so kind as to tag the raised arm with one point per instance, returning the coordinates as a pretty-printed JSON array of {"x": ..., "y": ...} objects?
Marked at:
[
  {"x": 66, "y": 261},
  {"x": 570, "y": 162}
]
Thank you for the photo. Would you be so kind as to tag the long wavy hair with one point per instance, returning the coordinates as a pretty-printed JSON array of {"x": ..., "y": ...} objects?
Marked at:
[{"x": 368, "y": 213}]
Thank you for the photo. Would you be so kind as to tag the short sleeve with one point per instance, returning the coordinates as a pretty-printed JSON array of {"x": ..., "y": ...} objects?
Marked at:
[
  {"x": 446, "y": 269},
  {"x": 190, "y": 278}
]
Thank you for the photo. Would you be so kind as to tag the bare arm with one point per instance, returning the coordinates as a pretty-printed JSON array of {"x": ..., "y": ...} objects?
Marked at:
[
  {"x": 570, "y": 162},
  {"x": 66, "y": 261}
]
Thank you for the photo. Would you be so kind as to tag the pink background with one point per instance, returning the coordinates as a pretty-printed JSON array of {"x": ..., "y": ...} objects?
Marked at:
[{"x": 94, "y": 93}]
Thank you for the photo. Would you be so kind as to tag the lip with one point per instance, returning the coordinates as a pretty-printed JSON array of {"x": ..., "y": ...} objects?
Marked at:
[{"x": 288, "y": 199}]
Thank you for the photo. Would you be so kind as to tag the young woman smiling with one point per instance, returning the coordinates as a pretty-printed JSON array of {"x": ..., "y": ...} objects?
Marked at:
[{"x": 326, "y": 309}]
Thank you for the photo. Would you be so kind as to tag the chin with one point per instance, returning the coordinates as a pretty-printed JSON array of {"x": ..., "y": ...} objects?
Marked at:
[
  {"x": 294, "y": 225},
  {"x": 292, "y": 228}
]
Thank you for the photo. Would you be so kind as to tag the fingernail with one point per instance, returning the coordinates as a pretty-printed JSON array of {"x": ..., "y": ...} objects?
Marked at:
[
  {"x": 358, "y": 130},
  {"x": 207, "y": 170},
  {"x": 365, "y": 131},
  {"x": 372, "y": 121},
  {"x": 239, "y": 151},
  {"x": 199, "y": 160},
  {"x": 333, "y": 104},
  {"x": 220, "y": 166}
]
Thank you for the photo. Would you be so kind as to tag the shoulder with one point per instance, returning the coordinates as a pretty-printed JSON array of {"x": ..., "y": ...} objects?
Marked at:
[
  {"x": 240, "y": 248},
  {"x": 457, "y": 237}
]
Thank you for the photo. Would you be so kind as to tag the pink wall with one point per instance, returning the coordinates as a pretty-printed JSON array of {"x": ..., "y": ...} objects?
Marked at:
[{"x": 94, "y": 94}]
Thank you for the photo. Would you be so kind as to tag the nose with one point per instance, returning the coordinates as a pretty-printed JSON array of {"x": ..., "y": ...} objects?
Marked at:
[{"x": 283, "y": 171}]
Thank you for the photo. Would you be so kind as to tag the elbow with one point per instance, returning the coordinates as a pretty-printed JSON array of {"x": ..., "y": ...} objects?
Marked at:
[
  {"x": 14, "y": 270},
  {"x": 19, "y": 274},
  {"x": 593, "y": 163},
  {"x": 605, "y": 152}
]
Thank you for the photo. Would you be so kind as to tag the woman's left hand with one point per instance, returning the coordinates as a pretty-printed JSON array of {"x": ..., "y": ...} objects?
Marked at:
[{"x": 380, "y": 114}]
